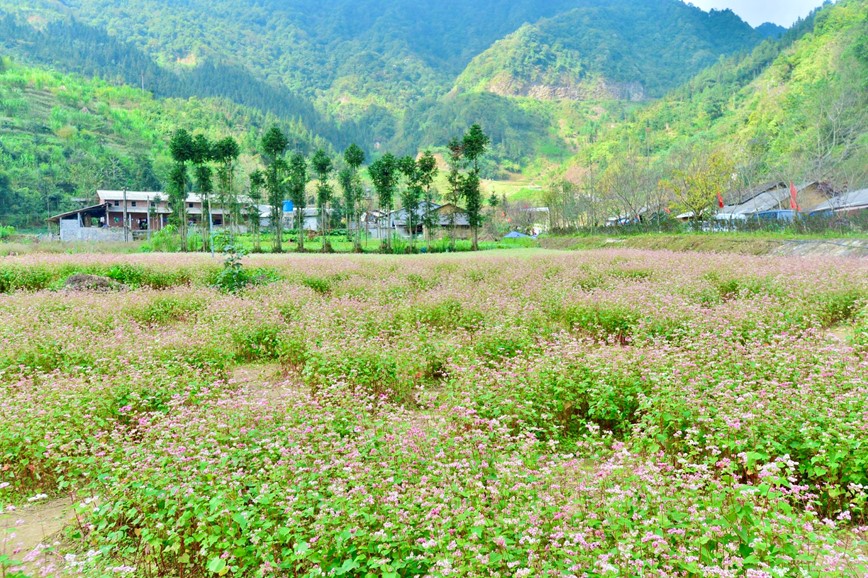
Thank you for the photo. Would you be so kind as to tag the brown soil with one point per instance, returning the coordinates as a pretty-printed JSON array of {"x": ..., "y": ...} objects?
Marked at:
[{"x": 25, "y": 529}]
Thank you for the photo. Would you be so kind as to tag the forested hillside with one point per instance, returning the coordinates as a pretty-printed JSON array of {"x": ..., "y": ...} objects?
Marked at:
[
  {"x": 618, "y": 49},
  {"x": 72, "y": 46},
  {"x": 582, "y": 85},
  {"x": 794, "y": 109},
  {"x": 64, "y": 136},
  {"x": 379, "y": 72}
]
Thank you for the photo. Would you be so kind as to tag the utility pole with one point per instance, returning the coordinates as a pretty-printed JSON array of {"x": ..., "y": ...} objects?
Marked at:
[{"x": 126, "y": 238}]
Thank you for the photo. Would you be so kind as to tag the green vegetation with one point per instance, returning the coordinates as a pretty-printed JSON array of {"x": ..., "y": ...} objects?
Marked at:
[
  {"x": 613, "y": 50},
  {"x": 379, "y": 73},
  {"x": 760, "y": 242},
  {"x": 528, "y": 413},
  {"x": 792, "y": 110},
  {"x": 65, "y": 137}
]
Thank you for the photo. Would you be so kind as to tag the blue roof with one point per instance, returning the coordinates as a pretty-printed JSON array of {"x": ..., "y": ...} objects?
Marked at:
[{"x": 515, "y": 235}]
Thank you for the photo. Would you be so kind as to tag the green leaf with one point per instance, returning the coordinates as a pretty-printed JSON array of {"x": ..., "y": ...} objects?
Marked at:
[
  {"x": 216, "y": 565},
  {"x": 347, "y": 566}
]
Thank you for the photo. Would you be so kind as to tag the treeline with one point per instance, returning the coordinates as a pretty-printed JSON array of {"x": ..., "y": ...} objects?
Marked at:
[{"x": 208, "y": 168}]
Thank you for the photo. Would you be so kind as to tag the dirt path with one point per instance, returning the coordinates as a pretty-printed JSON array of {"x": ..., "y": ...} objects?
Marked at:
[{"x": 30, "y": 532}]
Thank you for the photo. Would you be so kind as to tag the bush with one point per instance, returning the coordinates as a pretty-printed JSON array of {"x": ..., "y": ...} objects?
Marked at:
[
  {"x": 233, "y": 277},
  {"x": 166, "y": 240},
  {"x": 167, "y": 309}
]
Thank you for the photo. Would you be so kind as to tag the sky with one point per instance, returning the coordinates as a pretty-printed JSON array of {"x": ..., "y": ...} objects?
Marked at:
[{"x": 755, "y": 12}]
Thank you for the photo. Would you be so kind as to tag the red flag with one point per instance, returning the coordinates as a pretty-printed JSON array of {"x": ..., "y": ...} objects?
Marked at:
[
  {"x": 719, "y": 200},
  {"x": 794, "y": 203}
]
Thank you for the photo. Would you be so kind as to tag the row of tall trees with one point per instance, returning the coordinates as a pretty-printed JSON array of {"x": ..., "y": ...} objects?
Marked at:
[
  {"x": 204, "y": 157},
  {"x": 408, "y": 180},
  {"x": 208, "y": 168}
]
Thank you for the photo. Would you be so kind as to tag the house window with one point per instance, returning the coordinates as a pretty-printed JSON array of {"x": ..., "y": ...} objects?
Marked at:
[
  {"x": 134, "y": 203},
  {"x": 117, "y": 203},
  {"x": 189, "y": 205}
]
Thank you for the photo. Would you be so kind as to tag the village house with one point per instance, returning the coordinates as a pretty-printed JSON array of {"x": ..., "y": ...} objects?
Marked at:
[
  {"x": 846, "y": 203},
  {"x": 137, "y": 211},
  {"x": 447, "y": 219},
  {"x": 771, "y": 201}
]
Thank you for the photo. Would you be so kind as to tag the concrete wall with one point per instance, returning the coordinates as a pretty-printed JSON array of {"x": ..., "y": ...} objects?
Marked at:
[{"x": 71, "y": 231}]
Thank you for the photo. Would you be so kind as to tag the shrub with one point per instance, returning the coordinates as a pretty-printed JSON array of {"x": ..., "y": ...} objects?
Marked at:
[
  {"x": 258, "y": 342},
  {"x": 167, "y": 309}
]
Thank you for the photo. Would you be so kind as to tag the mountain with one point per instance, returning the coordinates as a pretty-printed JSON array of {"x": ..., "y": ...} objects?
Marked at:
[
  {"x": 771, "y": 30},
  {"x": 72, "y": 46},
  {"x": 612, "y": 50},
  {"x": 583, "y": 84},
  {"x": 793, "y": 109},
  {"x": 354, "y": 70}
]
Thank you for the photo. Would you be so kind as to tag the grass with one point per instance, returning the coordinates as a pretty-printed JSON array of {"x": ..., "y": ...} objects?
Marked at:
[{"x": 746, "y": 243}]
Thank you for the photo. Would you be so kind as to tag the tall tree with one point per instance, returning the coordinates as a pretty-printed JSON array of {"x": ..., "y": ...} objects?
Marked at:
[
  {"x": 297, "y": 193},
  {"x": 226, "y": 152},
  {"x": 699, "y": 180},
  {"x": 384, "y": 176},
  {"x": 456, "y": 183},
  {"x": 475, "y": 145},
  {"x": 202, "y": 155},
  {"x": 427, "y": 167},
  {"x": 257, "y": 183},
  {"x": 181, "y": 149},
  {"x": 274, "y": 144},
  {"x": 322, "y": 165},
  {"x": 351, "y": 184},
  {"x": 412, "y": 194}
]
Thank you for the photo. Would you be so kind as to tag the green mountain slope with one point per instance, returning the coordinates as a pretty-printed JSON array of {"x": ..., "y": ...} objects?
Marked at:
[
  {"x": 366, "y": 65},
  {"x": 64, "y": 136},
  {"x": 394, "y": 52},
  {"x": 794, "y": 109},
  {"x": 618, "y": 49},
  {"x": 72, "y": 46}
]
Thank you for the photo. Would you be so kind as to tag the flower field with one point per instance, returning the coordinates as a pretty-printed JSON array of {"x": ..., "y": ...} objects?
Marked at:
[{"x": 515, "y": 413}]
